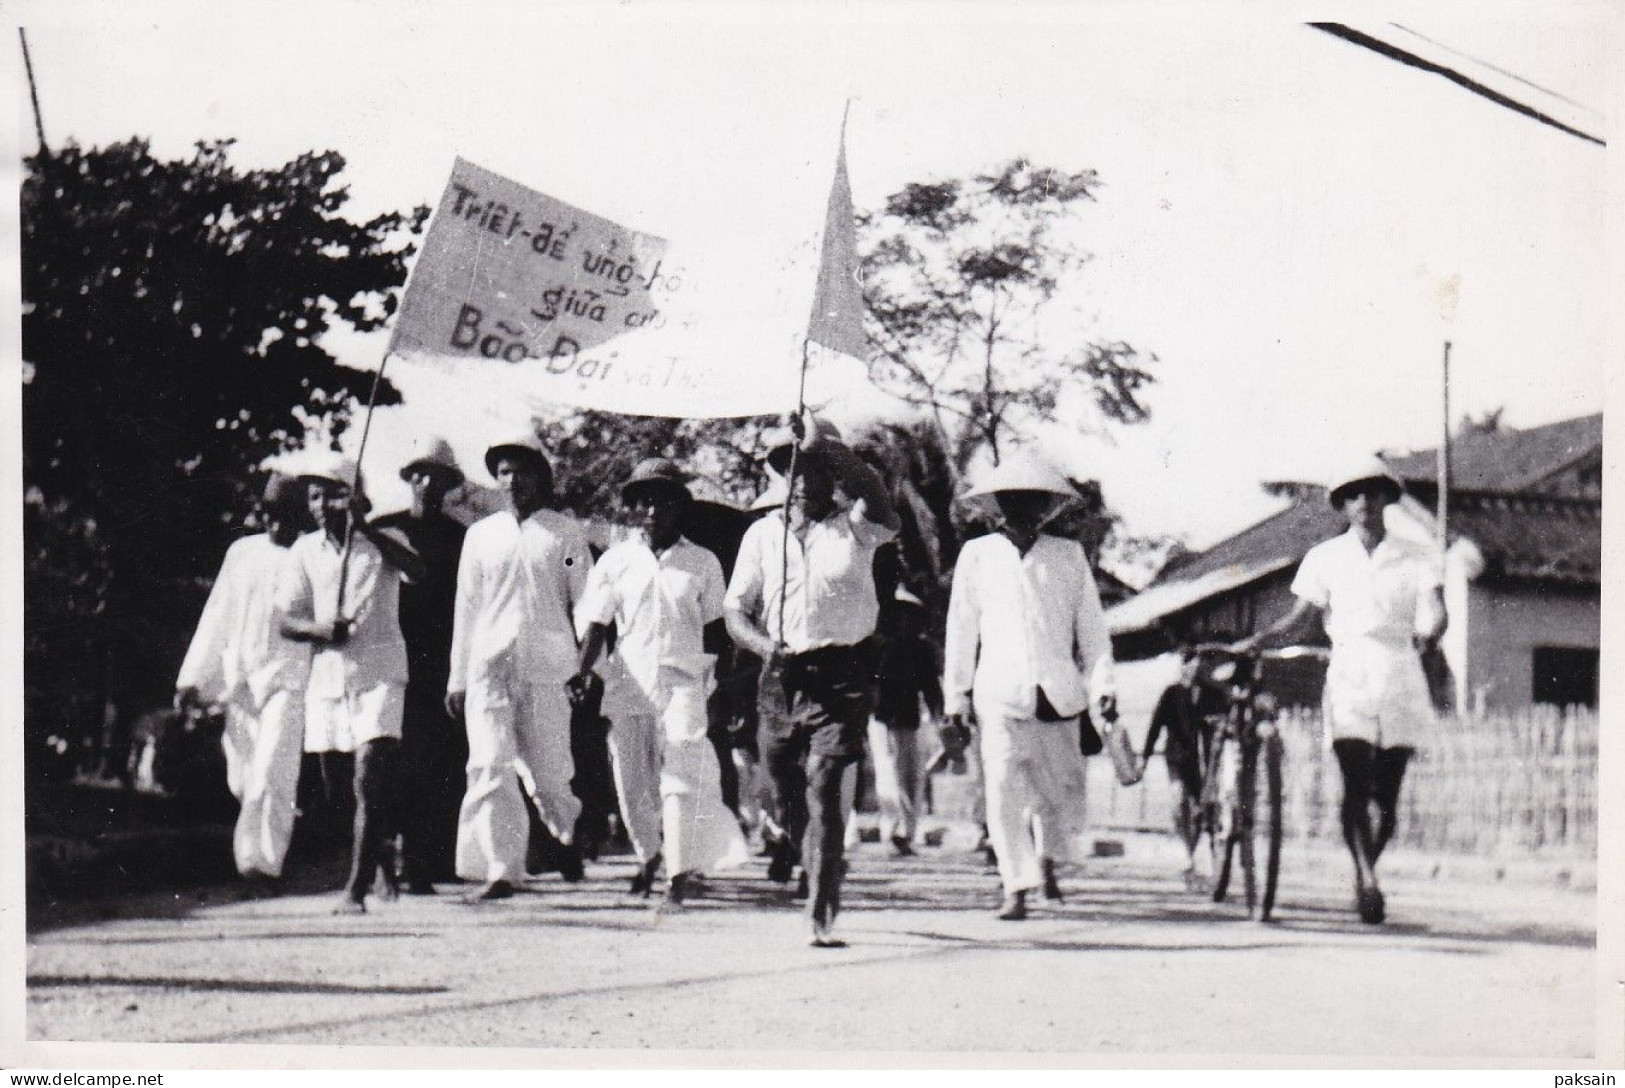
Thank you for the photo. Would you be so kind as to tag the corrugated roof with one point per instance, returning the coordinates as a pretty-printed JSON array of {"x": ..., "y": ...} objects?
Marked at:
[
  {"x": 1522, "y": 537},
  {"x": 1507, "y": 460}
]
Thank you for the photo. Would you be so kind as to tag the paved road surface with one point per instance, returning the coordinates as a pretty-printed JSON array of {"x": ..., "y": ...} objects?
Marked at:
[{"x": 1131, "y": 963}]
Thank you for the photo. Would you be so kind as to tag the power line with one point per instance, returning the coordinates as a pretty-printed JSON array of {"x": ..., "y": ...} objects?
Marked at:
[{"x": 1393, "y": 52}]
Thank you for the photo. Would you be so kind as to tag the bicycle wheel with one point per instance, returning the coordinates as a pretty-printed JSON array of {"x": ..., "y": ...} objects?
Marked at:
[
  {"x": 1224, "y": 815},
  {"x": 1246, "y": 809},
  {"x": 1273, "y": 824}
]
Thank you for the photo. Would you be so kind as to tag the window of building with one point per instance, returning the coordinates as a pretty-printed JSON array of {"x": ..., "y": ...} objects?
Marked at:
[{"x": 1565, "y": 676}]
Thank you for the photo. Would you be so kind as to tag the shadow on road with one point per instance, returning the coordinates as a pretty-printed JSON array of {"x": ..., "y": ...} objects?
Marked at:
[{"x": 245, "y": 986}]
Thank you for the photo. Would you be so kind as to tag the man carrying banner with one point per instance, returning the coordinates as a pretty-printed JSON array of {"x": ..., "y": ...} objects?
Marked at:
[
  {"x": 663, "y": 594},
  {"x": 434, "y": 749},
  {"x": 803, "y": 599},
  {"x": 239, "y": 658},
  {"x": 341, "y": 593},
  {"x": 1027, "y": 648},
  {"x": 521, "y": 578}
]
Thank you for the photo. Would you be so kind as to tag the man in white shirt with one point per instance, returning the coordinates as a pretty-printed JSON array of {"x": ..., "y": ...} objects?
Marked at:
[
  {"x": 804, "y": 602},
  {"x": 663, "y": 594},
  {"x": 341, "y": 594},
  {"x": 1381, "y": 600},
  {"x": 1028, "y": 650},
  {"x": 238, "y": 659},
  {"x": 520, "y": 580}
]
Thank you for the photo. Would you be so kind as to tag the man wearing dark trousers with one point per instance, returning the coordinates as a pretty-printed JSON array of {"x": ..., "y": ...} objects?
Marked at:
[
  {"x": 434, "y": 749},
  {"x": 803, "y": 599}
]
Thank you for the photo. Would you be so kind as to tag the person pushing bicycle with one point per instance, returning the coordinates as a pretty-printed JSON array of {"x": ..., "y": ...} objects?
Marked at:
[{"x": 1381, "y": 599}]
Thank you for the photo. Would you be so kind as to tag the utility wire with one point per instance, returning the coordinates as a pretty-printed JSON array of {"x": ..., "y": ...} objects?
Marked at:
[{"x": 1394, "y": 52}]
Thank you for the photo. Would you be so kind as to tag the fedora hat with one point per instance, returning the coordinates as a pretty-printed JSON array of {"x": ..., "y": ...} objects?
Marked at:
[
  {"x": 654, "y": 471},
  {"x": 328, "y": 465},
  {"x": 434, "y": 456},
  {"x": 1022, "y": 472},
  {"x": 282, "y": 492},
  {"x": 525, "y": 442},
  {"x": 780, "y": 440},
  {"x": 1359, "y": 471}
]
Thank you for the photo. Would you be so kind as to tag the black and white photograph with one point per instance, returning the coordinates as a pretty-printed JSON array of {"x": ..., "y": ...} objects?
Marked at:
[{"x": 922, "y": 534}]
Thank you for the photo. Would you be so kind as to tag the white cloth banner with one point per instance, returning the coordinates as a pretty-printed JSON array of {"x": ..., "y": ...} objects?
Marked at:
[{"x": 562, "y": 307}]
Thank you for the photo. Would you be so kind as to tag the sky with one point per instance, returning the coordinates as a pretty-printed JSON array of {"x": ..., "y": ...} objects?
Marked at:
[{"x": 1293, "y": 225}]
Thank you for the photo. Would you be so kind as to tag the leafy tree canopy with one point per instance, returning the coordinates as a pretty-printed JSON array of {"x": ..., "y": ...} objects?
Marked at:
[
  {"x": 964, "y": 283},
  {"x": 173, "y": 313}
]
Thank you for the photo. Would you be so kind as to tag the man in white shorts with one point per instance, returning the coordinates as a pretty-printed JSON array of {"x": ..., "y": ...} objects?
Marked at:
[
  {"x": 239, "y": 659},
  {"x": 341, "y": 593},
  {"x": 663, "y": 594},
  {"x": 1381, "y": 600},
  {"x": 520, "y": 580}
]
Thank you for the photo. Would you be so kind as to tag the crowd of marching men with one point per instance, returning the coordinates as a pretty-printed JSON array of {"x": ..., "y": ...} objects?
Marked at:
[{"x": 446, "y": 665}]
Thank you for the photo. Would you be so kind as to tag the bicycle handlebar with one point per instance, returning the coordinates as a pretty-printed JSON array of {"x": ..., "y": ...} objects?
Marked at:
[{"x": 1285, "y": 653}]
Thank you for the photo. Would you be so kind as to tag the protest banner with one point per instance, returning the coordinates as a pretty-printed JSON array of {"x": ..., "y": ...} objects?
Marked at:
[{"x": 565, "y": 307}]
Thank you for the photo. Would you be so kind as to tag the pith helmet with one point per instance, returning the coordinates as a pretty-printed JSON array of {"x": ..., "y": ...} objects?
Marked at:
[
  {"x": 654, "y": 471},
  {"x": 1360, "y": 471},
  {"x": 523, "y": 442}
]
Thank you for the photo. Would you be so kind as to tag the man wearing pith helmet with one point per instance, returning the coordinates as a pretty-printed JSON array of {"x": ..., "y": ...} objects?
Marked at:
[
  {"x": 803, "y": 599},
  {"x": 1381, "y": 600},
  {"x": 663, "y": 595},
  {"x": 1027, "y": 651},
  {"x": 433, "y": 747},
  {"x": 521, "y": 578}
]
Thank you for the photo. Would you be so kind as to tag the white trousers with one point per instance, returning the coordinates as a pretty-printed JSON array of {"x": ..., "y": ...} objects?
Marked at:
[
  {"x": 635, "y": 755},
  {"x": 701, "y": 834},
  {"x": 517, "y": 732},
  {"x": 896, "y": 755},
  {"x": 266, "y": 780},
  {"x": 1036, "y": 783}
]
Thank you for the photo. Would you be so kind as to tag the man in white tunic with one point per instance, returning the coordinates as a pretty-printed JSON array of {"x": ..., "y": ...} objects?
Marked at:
[
  {"x": 663, "y": 594},
  {"x": 804, "y": 602},
  {"x": 1381, "y": 600},
  {"x": 520, "y": 580},
  {"x": 1027, "y": 650},
  {"x": 341, "y": 594},
  {"x": 239, "y": 660}
]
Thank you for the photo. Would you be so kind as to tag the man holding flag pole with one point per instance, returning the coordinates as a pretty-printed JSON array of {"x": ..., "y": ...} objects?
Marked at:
[{"x": 803, "y": 596}]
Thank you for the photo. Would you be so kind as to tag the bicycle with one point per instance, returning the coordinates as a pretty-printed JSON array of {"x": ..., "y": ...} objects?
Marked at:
[{"x": 1242, "y": 722}]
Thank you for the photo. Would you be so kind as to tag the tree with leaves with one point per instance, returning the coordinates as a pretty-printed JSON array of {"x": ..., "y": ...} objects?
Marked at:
[
  {"x": 173, "y": 314},
  {"x": 965, "y": 285}
]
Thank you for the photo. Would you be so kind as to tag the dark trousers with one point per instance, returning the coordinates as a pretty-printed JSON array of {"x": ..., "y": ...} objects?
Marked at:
[
  {"x": 374, "y": 816},
  {"x": 830, "y": 694},
  {"x": 432, "y": 775}
]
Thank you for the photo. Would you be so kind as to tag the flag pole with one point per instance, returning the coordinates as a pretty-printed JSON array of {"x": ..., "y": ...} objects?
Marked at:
[
  {"x": 1443, "y": 513},
  {"x": 33, "y": 93},
  {"x": 355, "y": 482},
  {"x": 789, "y": 490}
]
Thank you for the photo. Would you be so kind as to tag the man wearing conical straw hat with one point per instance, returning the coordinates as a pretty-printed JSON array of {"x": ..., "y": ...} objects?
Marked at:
[
  {"x": 1381, "y": 600},
  {"x": 1028, "y": 651}
]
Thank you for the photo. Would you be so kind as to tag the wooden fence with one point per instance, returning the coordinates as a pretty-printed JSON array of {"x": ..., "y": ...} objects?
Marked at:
[{"x": 1490, "y": 783}]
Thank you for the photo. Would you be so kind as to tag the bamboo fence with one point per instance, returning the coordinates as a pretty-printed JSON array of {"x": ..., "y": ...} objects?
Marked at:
[{"x": 1495, "y": 783}]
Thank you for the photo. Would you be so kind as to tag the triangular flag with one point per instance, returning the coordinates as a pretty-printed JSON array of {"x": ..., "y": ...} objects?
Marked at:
[{"x": 837, "y": 312}]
